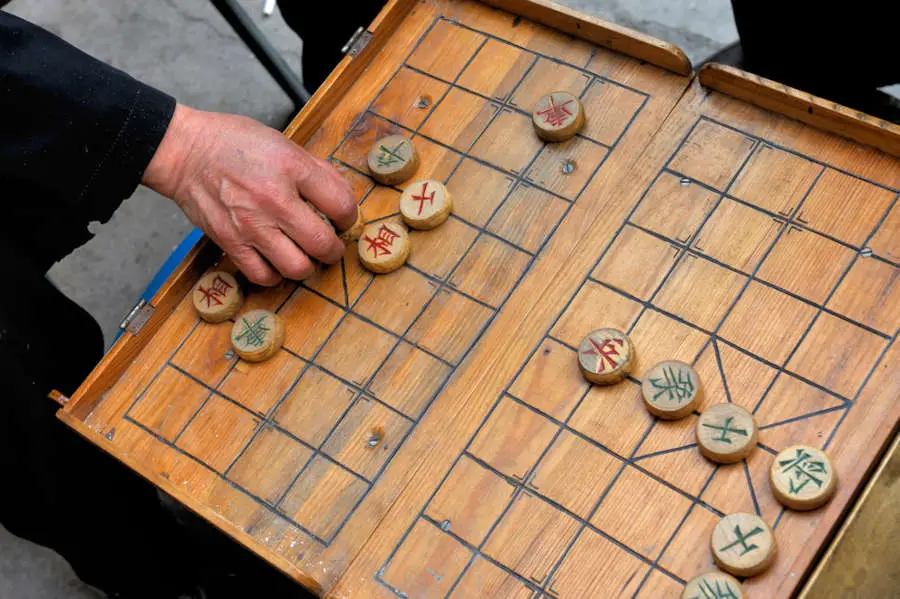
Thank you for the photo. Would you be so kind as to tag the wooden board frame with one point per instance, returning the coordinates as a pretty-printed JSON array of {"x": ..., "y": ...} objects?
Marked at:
[{"x": 775, "y": 97}]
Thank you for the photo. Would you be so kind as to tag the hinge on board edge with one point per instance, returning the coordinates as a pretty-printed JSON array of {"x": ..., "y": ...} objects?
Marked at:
[
  {"x": 358, "y": 42},
  {"x": 137, "y": 317}
]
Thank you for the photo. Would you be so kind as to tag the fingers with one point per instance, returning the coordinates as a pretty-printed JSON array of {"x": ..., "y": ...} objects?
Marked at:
[
  {"x": 320, "y": 183},
  {"x": 285, "y": 256},
  {"x": 311, "y": 233},
  {"x": 254, "y": 267}
]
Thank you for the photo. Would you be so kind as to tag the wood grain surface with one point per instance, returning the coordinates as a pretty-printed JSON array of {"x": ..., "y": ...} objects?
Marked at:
[{"x": 428, "y": 432}]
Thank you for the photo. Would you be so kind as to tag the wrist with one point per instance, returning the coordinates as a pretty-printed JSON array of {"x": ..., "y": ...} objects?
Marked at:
[{"x": 167, "y": 165}]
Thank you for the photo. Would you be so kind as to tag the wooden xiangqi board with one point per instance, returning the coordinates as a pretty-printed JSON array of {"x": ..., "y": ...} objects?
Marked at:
[{"x": 427, "y": 433}]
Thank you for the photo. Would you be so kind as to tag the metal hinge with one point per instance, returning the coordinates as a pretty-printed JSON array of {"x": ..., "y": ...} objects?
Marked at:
[
  {"x": 358, "y": 42},
  {"x": 138, "y": 317}
]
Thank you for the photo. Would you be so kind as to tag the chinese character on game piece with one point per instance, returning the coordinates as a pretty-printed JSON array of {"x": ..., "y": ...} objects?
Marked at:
[
  {"x": 392, "y": 160},
  {"x": 556, "y": 114},
  {"x": 425, "y": 204},
  {"x": 217, "y": 296},
  {"x": 381, "y": 244},
  {"x": 713, "y": 585},
  {"x": 726, "y": 431},
  {"x": 423, "y": 197},
  {"x": 605, "y": 356},
  {"x": 384, "y": 247},
  {"x": 742, "y": 539},
  {"x": 802, "y": 477},
  {"x": 670, "y": 389},
  {"x": 675, "y": 384},
  {"x": 216, "y": 290},
  {"x": 607, "y": 352},
  {"x": 715, "y": 590},
  {"x": 804, "y": 470},
  {"x": 254, "y": 331},
  {"x": 388, "y": 156},
  {"x": 743, "y": 544},
  {"x": 257, "y": 335}
]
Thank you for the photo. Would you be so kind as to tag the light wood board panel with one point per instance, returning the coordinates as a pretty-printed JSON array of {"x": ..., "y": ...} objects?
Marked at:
[
  {"x": 754, "y": 247},
  {"x": 428, "y": 434},
  {"x": 279, "y": 454}
]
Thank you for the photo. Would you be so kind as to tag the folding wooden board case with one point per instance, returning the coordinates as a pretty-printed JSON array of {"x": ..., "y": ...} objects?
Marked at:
[{"x": 427, "y": 433}]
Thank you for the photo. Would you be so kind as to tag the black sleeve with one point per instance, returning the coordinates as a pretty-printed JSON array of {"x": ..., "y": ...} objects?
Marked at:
[{"x": 74, "y": 132}]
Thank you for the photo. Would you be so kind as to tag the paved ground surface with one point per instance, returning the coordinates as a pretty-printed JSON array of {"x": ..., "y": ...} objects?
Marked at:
[{"x": 186, "y": 49}]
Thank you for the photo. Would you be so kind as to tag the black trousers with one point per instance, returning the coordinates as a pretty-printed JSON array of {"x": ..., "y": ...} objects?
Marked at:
[
  {"x": 842, "y": 54},
  {"x": 817, "y": 46},
  {"x": 324, "y": 38}
]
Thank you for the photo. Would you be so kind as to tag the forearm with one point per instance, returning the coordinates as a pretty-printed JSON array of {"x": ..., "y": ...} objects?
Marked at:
[{"x": 71, "y": 127}]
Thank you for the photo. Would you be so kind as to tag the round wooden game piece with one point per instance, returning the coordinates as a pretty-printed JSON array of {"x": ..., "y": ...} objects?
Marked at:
[
  {"x": 393, "y": 160},
  {"x": 726, "y": 433},
  {"x": 384, "y": 247},
  {"x": 558, "y": 116},
  {"x": 217, "y": 296},
  {"x": 425, "y": 204},
  {"x": 713, "y": 585},
  {"x": 605, "y": 356},
  {"x": 355, "y": 231},
  {"x": 802, "y": 478},
  {"x": 671, "y": 390},
  {"x": 257, "y": 335},
  {"x": 743, "y": 544}
]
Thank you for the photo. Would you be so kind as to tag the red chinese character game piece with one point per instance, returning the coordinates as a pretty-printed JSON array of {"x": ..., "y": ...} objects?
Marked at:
[
  {"x": 217, "y": 296},
  {"x": 605, "y": 356},
  {"x": 381, "y": 244},
  {"x": 217, "y": 289},
  {"x": 422, "y": 198},
  {"x": 605, "y": 352},
  {"x": 384, "y": 247},
  {"x": 556, "y": 114}
]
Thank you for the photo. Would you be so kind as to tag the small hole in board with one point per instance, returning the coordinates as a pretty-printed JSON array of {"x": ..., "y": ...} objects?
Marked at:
[{"x": 376, "y": 436}]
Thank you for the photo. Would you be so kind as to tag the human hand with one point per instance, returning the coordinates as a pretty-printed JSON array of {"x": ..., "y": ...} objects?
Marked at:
[{"x": 244, "y": 184}]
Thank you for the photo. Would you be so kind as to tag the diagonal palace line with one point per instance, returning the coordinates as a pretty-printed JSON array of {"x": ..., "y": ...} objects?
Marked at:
[
  {"x": 750, "y": 486},
  {"x": 804, "y": 416},
  {"x": 721, "y": 369},
  {"x": 647, "y": 456}
]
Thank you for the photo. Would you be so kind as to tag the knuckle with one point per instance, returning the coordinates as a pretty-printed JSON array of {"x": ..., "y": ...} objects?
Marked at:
[
  {"x": 300, "y": 164},
  {"x": 346, "y": 201},
  {"x": 255, "y": 271},
  {"x": 268, "y": 191},
  {"x": 300, "y": 269},
  {"x": 245, "y": 220},
  {"x": 319, "y": 240},
  {"x": 270, "y": 280}
]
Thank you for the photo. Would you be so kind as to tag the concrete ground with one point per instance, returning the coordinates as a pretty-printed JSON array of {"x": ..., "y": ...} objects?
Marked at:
[{"x": 185, "y": 48}]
